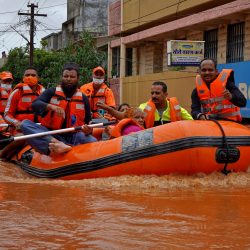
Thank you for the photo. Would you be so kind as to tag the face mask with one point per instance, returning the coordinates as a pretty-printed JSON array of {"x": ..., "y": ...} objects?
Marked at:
[
  {"x": 98, "y": 81},
  {"x": 6, "y": 86},
  {"x": 30, "y": 80}
]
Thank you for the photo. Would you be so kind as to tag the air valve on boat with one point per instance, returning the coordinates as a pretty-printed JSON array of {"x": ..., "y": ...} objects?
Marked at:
[{"x": 227, "y": 154}]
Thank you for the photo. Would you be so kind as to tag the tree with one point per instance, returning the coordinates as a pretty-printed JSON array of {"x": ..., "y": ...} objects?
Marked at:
[
  {"x": 49, "y": 64},
  {"x": 86, "y": 55}
]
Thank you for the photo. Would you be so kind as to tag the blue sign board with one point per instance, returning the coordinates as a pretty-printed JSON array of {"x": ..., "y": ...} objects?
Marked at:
[{"x": 242, "y": 80}]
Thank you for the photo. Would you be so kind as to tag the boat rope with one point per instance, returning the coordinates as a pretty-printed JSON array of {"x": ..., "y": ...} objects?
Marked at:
[{"x": 226, "y": 152}]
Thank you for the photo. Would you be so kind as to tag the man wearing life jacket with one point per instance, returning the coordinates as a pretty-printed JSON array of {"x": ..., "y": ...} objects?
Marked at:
[
  {"x": 61, "y": 107},
  {"x": 19, "y": 102},
  {"x": 98, "y": 91},
  {"x": 216, "y": 95},
  {"x": 6, "y": 80},
  {"x": 160, "y": 109}
]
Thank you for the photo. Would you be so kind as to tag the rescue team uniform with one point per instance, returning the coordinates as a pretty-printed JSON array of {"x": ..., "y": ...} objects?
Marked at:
[
  {"x": 18, "y": 106},
  {"x": 3, "y": 101},
  {"x": 77, "y": 113},
  {"x": 173, "y": 112},
  {"x": 209, "y": 99},
  {"x": 124, "y": 125},
  {"x": 104, "y": 94},
  {"x": 4, "y": 95},
  {"x": 3, "y": 130},
  {"x": 74, "y": 106}
]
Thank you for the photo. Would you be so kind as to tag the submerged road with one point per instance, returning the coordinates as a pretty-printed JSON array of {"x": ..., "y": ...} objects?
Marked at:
[{"x": 129, "y": 212}]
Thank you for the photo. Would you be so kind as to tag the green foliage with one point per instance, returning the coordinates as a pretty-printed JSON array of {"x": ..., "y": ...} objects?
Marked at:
[
  {"x": 49, "y": 64},
  {"x": 17, "y": 61},
  {"x": 176, "y": 68}
]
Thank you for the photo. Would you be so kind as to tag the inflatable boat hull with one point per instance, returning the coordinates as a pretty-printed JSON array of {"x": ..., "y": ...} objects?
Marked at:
[{"x": 184, "y": 147}]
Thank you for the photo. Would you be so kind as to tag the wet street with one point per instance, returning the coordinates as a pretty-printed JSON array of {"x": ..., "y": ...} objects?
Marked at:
[{"x": 130, "y": 212}]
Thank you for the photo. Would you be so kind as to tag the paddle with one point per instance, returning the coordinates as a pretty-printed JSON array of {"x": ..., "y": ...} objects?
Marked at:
[
  {"x": 53, "y": 132},
  {"x": 10, "y": 125}
]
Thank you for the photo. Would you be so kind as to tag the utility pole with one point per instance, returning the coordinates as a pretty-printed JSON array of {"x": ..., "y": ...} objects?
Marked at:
[{"x": 32, "y": 19}]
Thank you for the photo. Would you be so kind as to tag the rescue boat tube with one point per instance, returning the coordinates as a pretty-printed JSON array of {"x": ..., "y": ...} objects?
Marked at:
[{"x": 184, "y": 147}]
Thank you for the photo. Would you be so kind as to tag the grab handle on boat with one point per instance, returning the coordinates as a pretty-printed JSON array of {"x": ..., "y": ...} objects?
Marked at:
[
  {"x": 226, "y": 153},
  {"x": 53, "y": 132}
]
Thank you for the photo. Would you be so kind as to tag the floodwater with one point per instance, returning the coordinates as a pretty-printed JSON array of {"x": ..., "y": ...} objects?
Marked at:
[{"x": 129, "y": 212}]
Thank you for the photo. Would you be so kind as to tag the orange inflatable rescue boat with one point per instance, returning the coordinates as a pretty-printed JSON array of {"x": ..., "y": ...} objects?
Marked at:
[{"x": 184, "y": 147}]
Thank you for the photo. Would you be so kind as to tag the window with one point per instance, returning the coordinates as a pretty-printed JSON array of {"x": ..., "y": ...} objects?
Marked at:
[
  {"x": 211, "y": 44},
  {"x": 235, "y": 42},
  {"x": 158, "y": 58},
  {"x": 129, "y": 61},
  {"x": 116, "y": 62}
]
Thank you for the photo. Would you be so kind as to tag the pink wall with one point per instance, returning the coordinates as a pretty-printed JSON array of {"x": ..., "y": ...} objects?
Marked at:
[
  {"x": 115, "y": 86},
  {"x": 114, "y": 18}
]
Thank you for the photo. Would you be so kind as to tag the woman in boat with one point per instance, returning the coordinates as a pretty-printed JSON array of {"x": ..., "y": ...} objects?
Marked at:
[
  {"x": 130, "y": 125},
  {"x": 130, "y": 120},
  {"x": 123, "y": 107}
]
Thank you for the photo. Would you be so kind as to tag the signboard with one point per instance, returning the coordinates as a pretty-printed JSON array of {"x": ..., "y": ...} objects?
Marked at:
[
  {"x": 242, "y": 80},
  {"x": 185, "y": 53}
]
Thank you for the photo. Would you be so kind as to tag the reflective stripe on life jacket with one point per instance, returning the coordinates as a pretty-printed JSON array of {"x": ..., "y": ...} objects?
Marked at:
[
  {"x": 94, "y": 97},
  {"x": 152, "y": 116},
  {"x": 3, "y": 100},
  {"x": 213, "y": 101},
  {"x": 24, "y": 110},
  {"x": 74, "y": 108}
]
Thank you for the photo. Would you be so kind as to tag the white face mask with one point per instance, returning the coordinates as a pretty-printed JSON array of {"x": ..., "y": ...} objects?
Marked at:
[
  {"x": 6, "y": 86},
  {"x": 98, "y": 81}
]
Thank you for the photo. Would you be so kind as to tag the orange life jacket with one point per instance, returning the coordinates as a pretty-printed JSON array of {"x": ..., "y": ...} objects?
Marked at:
[
  {"x": 74, "y": 108},
  {"x": 150, "y": 109},
  {"x": 2, "y": 121},
  {"x": 3, "y": 100},
  {"x": 117, "y": 130},
  {"x": 24, "y": 110},
  {"x": 95, "y": 97},
  {"x": 213, "y": 101}
]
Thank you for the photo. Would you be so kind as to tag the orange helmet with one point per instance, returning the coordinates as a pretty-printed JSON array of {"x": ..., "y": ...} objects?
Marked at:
[
  {"x": 99, "y": 68},
  {"x": 6, "y": 75}
]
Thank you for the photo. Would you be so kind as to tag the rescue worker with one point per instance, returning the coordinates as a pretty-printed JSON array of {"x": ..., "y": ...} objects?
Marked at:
[
  {"x": 98, "y": 91},
  {"x": 61, "y": 107},
  {"x": 18, "y": 106},
  {"x": 5, "y": 89},
  {"x": 216, "y": 95},
  {"x": 6, "y": 80},
  {"x": 160, "y": 109}
]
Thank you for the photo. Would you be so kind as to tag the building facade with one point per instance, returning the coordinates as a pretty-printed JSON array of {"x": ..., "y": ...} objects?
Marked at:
[
  {"x": 139, "y": 31},
  {"x": 82, "y": 15}
]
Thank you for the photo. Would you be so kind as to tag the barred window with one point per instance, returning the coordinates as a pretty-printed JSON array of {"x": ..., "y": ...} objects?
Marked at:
[
  {"x": 116, "y": 62},
  {"x": 129, "y": 61},
  {"x": 211, "y": 44},
  {"x": 235, "y": 42}
]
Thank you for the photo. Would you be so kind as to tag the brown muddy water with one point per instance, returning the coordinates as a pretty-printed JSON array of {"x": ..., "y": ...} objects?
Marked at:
[{"x": 129, "y": 212}]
